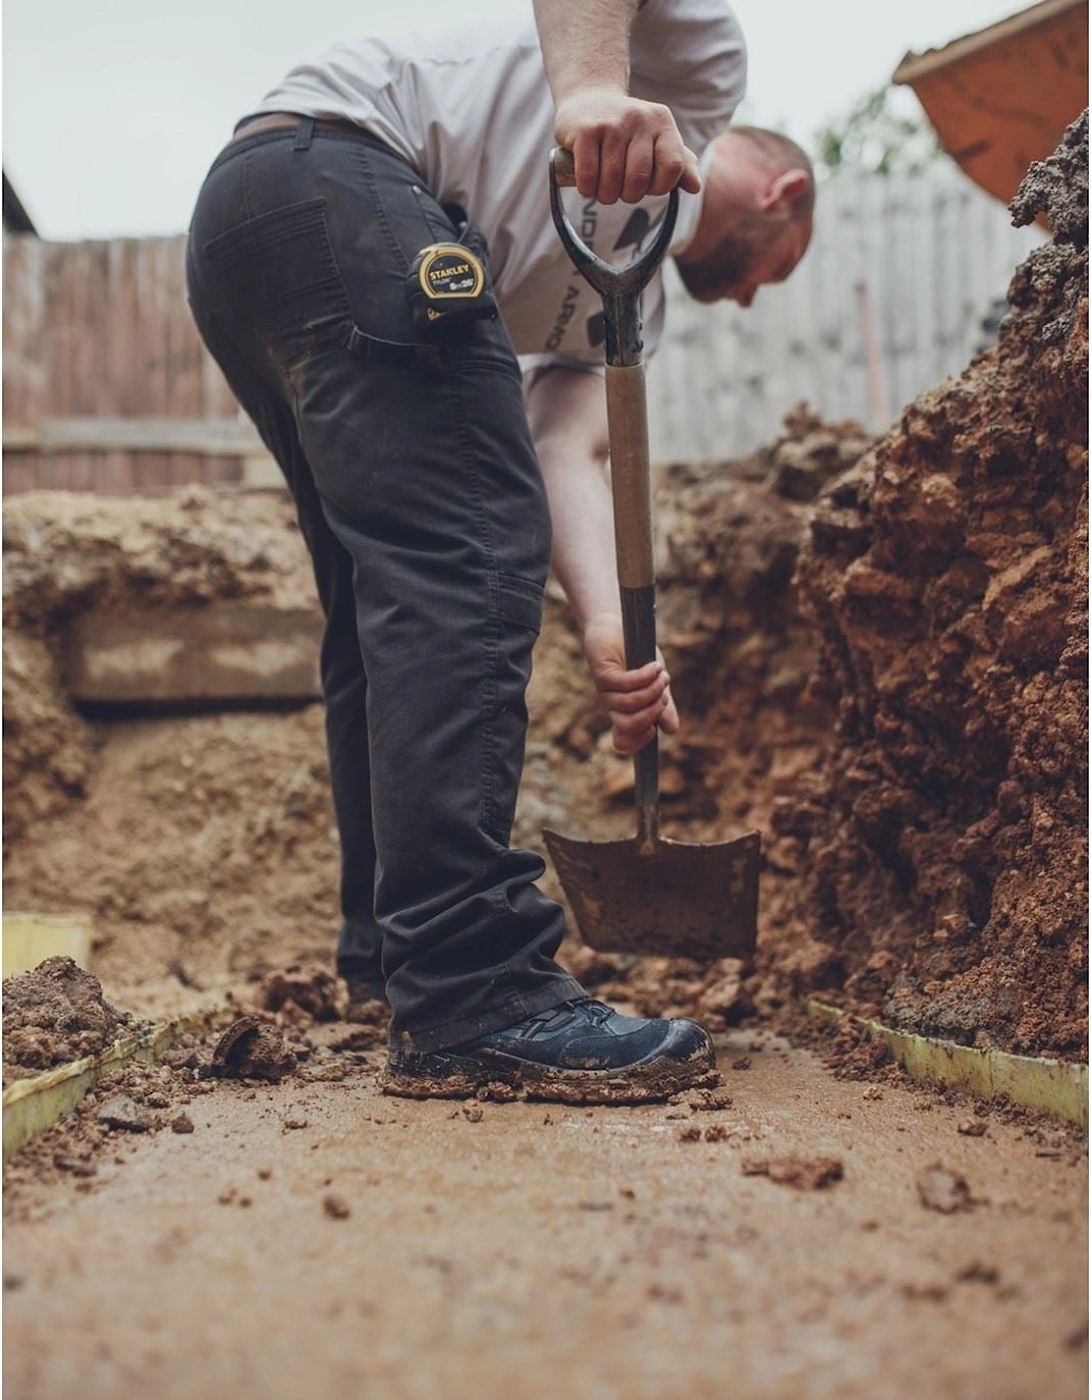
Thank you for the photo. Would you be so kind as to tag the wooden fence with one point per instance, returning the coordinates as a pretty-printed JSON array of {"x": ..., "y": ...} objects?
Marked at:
[
  {"x": 888, "y": 301},
  {"x": 108, "y": 388}
]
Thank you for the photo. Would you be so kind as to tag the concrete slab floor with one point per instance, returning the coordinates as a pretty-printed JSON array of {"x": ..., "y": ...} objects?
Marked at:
[{"x": 545, "y": 1251}]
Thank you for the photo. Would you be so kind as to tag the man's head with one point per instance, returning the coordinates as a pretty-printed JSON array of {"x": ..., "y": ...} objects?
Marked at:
[{"x": 756, "y": 216}]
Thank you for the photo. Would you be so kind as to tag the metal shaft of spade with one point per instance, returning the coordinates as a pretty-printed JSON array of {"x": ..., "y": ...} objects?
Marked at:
[{"x": 627, "y": 425}]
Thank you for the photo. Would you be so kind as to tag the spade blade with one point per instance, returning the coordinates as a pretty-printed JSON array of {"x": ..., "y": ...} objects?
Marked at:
[{"x": 677, "y": 901}]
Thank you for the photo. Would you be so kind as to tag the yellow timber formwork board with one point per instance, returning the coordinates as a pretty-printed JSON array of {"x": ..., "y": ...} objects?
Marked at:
[
  {"x": 34, "y": 1104},
  {"x": 31, "y": 938},
  {"x": 1048, "y": 1086}
]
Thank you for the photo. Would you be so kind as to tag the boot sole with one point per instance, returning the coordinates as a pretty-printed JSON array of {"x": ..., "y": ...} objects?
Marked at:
[{"x": 440, "y": 1076}]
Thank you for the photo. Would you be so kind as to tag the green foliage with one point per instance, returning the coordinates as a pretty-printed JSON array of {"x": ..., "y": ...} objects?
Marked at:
[{"x": 886, "y": 133}]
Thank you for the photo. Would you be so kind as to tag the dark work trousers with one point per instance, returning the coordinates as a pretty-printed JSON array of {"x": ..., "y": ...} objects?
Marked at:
[{"x": 420, "y": 498}]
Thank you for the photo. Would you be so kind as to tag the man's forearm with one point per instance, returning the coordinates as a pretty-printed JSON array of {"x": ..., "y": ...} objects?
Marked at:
[
  {"x": 583, "y": 525},
  {"x": 623, "y": 148},
  {"x": 585, "y": 44},
  {"x": 567, "y": 415}
]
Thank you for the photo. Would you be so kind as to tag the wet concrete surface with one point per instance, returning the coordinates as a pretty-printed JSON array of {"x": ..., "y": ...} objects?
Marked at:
[{"x": 319, "y": 1240}]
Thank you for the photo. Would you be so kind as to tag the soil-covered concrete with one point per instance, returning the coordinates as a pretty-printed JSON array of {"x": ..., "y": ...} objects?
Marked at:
[{"x": 795, "y": 1238}]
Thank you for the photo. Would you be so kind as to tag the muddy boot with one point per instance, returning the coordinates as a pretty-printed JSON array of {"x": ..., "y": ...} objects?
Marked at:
[{"x": 578, "y": 1052}]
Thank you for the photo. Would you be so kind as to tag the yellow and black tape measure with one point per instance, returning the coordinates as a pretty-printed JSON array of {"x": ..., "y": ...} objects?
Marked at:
[{"x": 447, "y": 284}]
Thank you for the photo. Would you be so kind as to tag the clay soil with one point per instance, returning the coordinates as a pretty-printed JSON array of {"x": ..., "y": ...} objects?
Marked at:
[{"x": 55, "y": 1014}]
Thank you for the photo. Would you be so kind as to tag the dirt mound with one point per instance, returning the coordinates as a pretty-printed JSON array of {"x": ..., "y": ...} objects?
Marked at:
[
  {"x": 945, "y": 854},
  {"x": 302, "y": 993},
  {"x": 66, "y": 553},
  {"x": 55, "y": 1014}
]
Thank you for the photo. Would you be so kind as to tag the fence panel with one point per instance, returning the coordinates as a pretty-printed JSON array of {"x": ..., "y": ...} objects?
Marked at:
[{"x": 890, "y": 299}]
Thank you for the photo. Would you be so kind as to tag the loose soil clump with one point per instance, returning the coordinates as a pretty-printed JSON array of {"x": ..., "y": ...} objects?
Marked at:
[{"x": 55, "y": 1014}]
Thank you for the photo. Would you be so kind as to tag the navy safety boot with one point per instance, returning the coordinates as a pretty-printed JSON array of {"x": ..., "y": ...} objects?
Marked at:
[{"x": 579, "y": 1052}]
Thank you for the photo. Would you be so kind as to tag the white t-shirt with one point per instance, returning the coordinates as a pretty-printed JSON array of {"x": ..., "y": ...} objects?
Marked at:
[{"x": 471, "y": 111}]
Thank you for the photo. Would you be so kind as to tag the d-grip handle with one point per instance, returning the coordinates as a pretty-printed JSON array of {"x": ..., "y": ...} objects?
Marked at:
[{"x": 617, "y": 283}]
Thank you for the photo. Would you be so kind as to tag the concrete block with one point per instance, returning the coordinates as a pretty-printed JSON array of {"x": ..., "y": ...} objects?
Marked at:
[{"x": 224, "y": 652}]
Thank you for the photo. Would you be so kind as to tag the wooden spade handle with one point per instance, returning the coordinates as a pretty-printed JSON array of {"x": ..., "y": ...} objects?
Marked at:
[
  {"x": 564, "y": 168},
  {"x": 627, "y": 425}
]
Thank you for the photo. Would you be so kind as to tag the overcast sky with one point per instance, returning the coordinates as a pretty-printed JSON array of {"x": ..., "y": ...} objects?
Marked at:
[{"x": 113, "y": 109}]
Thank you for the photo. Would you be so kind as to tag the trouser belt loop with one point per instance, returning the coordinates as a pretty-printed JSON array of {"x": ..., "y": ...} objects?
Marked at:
[{"x": 304, "y": 132}]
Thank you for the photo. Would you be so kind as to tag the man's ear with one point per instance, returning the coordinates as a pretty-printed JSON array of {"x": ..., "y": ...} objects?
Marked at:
[{"x": 785, "y": 188}]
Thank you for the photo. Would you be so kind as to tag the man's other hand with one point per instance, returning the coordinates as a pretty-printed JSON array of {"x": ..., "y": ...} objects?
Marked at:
[
  {"x": 623, "y": 148},
  {"x": 638, "y": 702}
]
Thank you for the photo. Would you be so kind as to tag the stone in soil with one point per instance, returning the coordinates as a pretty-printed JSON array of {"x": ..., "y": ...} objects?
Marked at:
[
  {"x": 125, "y": 1114},
  {"x": 804, "y": 1174}
]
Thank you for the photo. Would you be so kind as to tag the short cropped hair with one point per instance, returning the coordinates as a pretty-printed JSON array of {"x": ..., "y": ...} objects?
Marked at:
[{"x": 783, "y": 154}]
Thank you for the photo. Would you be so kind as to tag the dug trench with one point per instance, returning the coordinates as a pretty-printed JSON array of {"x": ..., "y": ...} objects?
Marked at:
[{"x": 878, "y": 648}]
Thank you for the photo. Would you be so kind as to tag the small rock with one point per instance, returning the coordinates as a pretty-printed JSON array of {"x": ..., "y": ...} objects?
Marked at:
[
  {"x": 873, "y": 1093},
  {"x": 336, "y": 1207},
  {"x": 252, "y": 1049},
  {"x": 972, "y": 1127},
  {"x": 290, "y": 1123},
  {"x": 943, "y": 1190},
  {"x": 182, "y": 1124},
  {"x": 804, "y": 1174},
  {"x": 472, "y": 1113},
  {"x": 744, "y": 1062},
  {"x": 709, "y": 1100},
  {"x": 124, "y": 1114},
  {"x": 690, "y": 1134},
  {"x": 716, "y": 1132},
  {"x": 75, "y": 1165},
  {"x": 925, "y": 1292}
]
